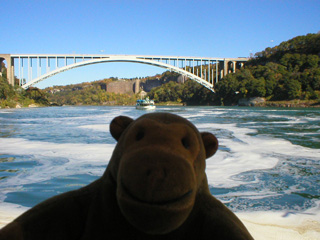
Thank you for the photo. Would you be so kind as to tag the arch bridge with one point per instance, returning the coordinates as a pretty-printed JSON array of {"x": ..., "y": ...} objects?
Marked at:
[{"x": 33, "y": 68}]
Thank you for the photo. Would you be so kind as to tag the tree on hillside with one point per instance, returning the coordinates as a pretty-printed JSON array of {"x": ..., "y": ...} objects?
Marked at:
[
  {"x": 288, "y": 71},
  {"x": 6, "y": 90},
  {"x": 190, "y": 93},
  {"x": 292, "y": 88}
]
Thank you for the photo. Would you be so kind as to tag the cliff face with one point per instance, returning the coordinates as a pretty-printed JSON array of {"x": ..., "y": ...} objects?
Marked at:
[
  {"x": 122, "y": 87},
  {"x": 149, "y": 84},
  {"x": 132, "y": 87}
]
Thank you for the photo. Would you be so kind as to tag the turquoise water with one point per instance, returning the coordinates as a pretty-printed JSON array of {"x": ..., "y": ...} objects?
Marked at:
[{"x": 268, "y": 158}]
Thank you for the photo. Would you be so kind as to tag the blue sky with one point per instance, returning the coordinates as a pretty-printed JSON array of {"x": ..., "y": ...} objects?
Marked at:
[{"x": 176, "y": 28}]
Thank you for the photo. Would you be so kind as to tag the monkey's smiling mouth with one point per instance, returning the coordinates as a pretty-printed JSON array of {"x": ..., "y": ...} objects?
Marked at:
[{"x": 155, "y": 202}]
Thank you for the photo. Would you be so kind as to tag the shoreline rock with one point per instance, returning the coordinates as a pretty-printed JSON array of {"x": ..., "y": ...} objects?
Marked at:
[
  {"x": 251, "y": 102},
  {"x": 33, "y": 105}
]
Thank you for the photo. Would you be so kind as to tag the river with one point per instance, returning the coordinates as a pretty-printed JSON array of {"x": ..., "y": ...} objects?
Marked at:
[{"x": 268, "y": 158}]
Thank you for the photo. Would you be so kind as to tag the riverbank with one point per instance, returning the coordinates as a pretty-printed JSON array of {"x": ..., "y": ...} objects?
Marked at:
[
  {"x": 20, "y": 105},
  {"x": 262, "y": 102},
  {"x": 293, "y": 103},
  {"x": 254, "y": 102}
]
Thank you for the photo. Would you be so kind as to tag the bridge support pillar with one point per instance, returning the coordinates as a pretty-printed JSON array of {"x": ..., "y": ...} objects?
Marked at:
[
  {"x": 225, "y": 67},
  {"x": 233, "y": 66},
  {"x": 10, "y": 67},
  {"x": 137, "y": 86}
]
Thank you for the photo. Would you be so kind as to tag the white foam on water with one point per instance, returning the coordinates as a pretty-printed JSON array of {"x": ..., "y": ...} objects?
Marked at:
[
  {"x": 97, "y": 127},
  {"x": 190, "y": 116},
  {"x": 76, "y": 159},
  {"x": 9, "y": 211},
  {"x": 283, "y": 225},
  {"x": 213, "y": 112},
  {"x": 292, "y": 119},
  {"x": 6, "y": 111},
  {"x": 303, "y": 134},
  {"x": 291, "y": 123},
  {"x": 252, "y": 195},
  {"x": 202, "y": 113},
  {"x": 247, "y": 153}
]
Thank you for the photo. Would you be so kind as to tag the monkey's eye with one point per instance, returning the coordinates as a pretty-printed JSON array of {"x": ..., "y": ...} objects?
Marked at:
[
  {"x": 185, "y": 142},
  {"x": 140, "y": 135}
]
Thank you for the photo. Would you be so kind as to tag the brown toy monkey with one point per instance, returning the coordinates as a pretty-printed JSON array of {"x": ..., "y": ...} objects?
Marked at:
[{"x": 154, "y": 187}]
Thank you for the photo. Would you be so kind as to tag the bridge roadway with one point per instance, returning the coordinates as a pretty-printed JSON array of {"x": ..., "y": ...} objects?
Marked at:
[{"x": 33, "y": 68}]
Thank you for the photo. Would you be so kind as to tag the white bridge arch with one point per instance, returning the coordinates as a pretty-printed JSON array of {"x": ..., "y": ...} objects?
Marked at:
[{"x": 205, "y": 71}]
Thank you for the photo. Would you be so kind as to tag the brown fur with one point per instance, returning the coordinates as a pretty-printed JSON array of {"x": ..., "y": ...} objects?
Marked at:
[{"x": 154, "y": 187}]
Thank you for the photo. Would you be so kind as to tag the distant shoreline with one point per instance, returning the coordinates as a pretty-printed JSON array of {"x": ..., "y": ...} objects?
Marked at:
[
  {"x": 277, "y": 104},
  {"x": 292, "y": 104}
]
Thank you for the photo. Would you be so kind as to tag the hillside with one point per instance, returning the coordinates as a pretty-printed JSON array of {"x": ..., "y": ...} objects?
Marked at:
[
  {"x": 110, "y": 91},
  {"x": 285, "y": 72}
]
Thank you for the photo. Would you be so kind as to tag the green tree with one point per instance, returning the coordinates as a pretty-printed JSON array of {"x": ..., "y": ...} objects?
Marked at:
[
  {"x": 256, "y": 87},
  {"x": 292, "y": 88},
  {"x": 228, "y": 88},
  {"x": 6, "y": 90}
]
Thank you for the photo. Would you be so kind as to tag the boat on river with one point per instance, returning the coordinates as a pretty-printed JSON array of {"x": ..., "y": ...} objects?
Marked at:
[{"x": 145, "y": 104}]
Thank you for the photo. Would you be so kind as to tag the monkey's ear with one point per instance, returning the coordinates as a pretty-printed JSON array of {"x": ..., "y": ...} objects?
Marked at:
[
  {"x": 210, "y": 143},
  {"x": 118, "y": 125}
]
